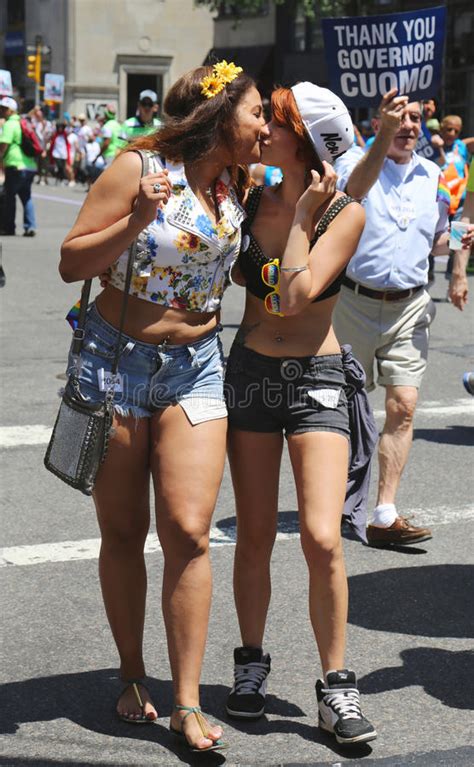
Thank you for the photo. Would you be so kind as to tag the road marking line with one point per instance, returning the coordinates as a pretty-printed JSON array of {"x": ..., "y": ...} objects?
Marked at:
[
  {"x": 70, "y": 551},
  {"x": 64, "y": 200},
  {"x": 39, "y": 434},
  {"x": 465, "y": 407},
  {"x": 13, "y": 436}
]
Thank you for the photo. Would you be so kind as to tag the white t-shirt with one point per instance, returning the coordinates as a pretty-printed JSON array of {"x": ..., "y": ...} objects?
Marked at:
[
  {"x": 60, "y": 148},
  {"x": 92, "y": 150},
  {"x": 44, "y": 131},
  {"x": 84, "y": 132},
  {"x": 73, "y": 141}
]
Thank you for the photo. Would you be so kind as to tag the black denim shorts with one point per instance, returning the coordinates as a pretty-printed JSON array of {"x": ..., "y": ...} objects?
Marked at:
[{"x": 289, "y": 394}]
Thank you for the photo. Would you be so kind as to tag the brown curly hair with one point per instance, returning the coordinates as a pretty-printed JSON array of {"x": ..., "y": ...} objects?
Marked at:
[{"x": 194, "y": 126}]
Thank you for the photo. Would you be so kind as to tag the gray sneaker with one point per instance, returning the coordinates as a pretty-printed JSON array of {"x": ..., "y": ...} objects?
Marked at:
[
  {"x": 339, "y": 708},
  {"x": 247, "y": 697}
]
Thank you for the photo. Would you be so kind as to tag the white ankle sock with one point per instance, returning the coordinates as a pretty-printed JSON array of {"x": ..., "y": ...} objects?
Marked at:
[{"x": 385, "y": 515}]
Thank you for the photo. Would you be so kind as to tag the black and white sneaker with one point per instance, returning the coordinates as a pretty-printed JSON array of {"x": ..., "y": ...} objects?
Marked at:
[
  {"x": 339, "y": 708},
  {"x": 247, "y": 697}
]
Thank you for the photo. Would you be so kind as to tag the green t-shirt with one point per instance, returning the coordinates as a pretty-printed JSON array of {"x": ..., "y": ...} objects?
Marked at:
[
  {"x": 133, "y": 128},
  {"x": 470, "y": 178},
  {"x": 14, "y": 156},
  {"x": 112, "y": 130}
]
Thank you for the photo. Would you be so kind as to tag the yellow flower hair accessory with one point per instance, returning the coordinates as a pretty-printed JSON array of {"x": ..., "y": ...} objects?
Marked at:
[
  {"x": 211, "y": 86},
  {"x": 222, "y": 73},
  {"x": 227, "y": 71}
]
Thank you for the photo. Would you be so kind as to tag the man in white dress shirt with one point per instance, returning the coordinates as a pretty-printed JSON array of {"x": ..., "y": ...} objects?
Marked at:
[{"x": 384, "y": 311}]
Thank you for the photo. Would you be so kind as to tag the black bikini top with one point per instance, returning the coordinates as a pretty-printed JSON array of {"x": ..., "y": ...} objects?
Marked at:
[{"x": 252, "y": 258}]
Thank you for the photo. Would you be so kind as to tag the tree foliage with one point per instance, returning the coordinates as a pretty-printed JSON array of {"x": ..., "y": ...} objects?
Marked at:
[
  {"x": 310, "y": 8},
  {"x": 254, "y": 6}
]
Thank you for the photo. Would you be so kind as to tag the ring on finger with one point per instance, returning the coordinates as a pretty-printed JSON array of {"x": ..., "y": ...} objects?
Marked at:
[{"x": 157, "y": 187}]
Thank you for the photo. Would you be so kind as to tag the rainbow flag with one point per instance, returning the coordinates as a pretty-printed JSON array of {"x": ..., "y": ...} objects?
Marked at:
[
  {"x": 443, "y": 195},
  {"x": 73, "y": 315}
]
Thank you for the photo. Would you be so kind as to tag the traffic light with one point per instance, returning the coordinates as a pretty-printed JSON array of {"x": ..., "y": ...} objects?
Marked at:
[{"x": 33, "y": 69}]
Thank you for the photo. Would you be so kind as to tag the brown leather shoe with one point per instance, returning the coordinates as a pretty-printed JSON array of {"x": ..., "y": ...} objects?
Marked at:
[{"x": 401, "y": 533}]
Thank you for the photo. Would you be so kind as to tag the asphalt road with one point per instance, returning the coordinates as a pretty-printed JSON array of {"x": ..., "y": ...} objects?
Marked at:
[{"x": 410, "y": 626}]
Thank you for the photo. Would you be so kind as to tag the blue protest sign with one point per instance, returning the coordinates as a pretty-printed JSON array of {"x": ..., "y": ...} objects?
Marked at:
[
  {"x": 424, "y": 145},
  {"x": 367, "y": 56}
]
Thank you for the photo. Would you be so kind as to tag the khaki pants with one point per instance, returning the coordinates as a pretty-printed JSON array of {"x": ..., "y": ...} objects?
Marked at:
[{"x": 393, "y": 335}]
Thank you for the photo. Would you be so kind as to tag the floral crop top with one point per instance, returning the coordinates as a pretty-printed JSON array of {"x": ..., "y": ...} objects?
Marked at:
[{"x": 183, "y": 259}]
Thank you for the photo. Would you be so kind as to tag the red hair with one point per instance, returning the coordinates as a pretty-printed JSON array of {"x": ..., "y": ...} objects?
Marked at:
[{"x": 286, "y": 113}]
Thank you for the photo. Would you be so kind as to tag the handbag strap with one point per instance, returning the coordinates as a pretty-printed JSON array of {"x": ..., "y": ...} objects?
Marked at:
[{"x": 78, "y": 335}]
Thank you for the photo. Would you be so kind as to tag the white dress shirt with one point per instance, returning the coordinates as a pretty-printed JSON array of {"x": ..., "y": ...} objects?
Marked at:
[{"x": 403, "y": 216}]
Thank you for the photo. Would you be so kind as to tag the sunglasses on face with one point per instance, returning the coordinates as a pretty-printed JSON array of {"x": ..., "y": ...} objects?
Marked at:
[{"x": 271, "y": 277}]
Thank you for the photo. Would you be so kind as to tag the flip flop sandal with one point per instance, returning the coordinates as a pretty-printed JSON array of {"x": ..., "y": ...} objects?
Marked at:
[
  {"x": 218, "y": 745},
  {"x": 144, "y": 718}
]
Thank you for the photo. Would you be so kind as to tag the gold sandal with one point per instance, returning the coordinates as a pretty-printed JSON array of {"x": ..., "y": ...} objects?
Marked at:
[
  {"x": 217, "y": 745},
  {"x": 144, "y": 718}
]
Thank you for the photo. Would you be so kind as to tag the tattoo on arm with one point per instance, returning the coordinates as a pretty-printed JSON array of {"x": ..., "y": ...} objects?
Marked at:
[{"x": 243, "y": 332}]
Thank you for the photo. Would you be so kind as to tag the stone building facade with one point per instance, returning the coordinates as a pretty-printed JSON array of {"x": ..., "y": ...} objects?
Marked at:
[{"x": 108, "y": 50}]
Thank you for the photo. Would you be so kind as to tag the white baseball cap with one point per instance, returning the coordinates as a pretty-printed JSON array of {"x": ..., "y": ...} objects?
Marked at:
[
  {"x": 148, "y": 95},
  {"x": 9, "y": 103},
  {"x": 326, "y": 119}
]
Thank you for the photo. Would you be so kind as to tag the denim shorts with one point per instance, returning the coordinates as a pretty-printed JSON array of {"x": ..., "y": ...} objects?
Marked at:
[
  {"x": 152, "y": 376},
  {"x": 285, "y": 394}
]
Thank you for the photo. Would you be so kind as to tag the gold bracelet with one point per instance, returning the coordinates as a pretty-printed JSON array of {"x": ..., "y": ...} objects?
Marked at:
[{"x": 294, "y": 269}]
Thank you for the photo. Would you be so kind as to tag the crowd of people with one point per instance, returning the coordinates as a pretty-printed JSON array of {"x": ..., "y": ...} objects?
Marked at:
[
  {"x": 76, "y": 150},
  {"x": 70, "y": 150},
  {"x": 336, "y": 252}
]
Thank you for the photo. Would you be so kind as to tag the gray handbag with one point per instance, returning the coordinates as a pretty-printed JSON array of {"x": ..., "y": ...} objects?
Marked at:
[{"x": 80, "y": 437}]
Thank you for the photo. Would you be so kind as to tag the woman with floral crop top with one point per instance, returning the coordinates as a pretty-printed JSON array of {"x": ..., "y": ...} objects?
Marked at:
[{"x": 170, "y": 415}]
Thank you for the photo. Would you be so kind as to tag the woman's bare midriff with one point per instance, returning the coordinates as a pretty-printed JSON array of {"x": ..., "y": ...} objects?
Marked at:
[
  {"x": 154, "y": 323},
  {"x": 308, "y": 333}
]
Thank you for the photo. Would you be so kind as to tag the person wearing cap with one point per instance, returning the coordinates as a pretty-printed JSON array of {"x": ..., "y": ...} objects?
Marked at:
[
  {"x": 110, "y": 133},
  {"x": 19, "y": 168},
  {"x": 286, "y": 376},
  {"x": 384, "y": 311},
  {"x": 145, "y": 120}
]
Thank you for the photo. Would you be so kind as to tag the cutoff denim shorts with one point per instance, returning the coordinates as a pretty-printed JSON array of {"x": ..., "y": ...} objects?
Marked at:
[
  {"x": 285, "y": 394},
  {"x": 152, "y": 377}
]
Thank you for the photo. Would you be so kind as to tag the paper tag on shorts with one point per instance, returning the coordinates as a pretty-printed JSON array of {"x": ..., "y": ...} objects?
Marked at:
[
  {"x": 326, "y": 397},
  {"x": 107, "y": 380}
]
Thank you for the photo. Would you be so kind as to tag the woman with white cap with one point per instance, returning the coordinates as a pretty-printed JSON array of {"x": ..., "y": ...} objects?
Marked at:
[{"x": 285, "y": 376}]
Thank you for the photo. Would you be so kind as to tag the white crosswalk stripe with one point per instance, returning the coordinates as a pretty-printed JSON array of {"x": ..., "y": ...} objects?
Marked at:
[
  {"x": 71, "y": 551},
  {"x": 39, "y": 434},
  {"x": 66, "y": 551},
  {"x": 433, "y": 409},
  {"x": 15, "y": 436},
  {"x": 62, "y": 200}
]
